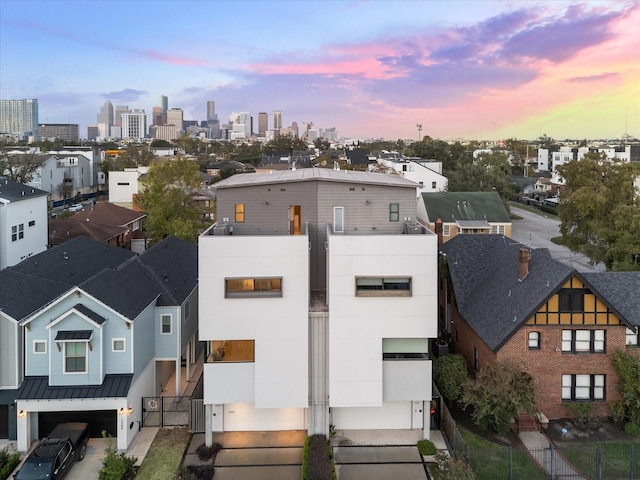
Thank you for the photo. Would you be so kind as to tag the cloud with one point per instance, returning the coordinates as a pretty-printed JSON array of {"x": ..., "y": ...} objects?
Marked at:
[
  {"x": 126, "y": 95},
  {"x": 594, "y": 78}
]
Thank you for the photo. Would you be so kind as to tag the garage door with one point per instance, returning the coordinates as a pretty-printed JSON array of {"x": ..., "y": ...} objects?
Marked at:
[
  {"x": 4, "y": 421},
  {"x": 244, "y": 417},
  {"x": 98, "y": 421},
  {"x": 391, "y": 415}
]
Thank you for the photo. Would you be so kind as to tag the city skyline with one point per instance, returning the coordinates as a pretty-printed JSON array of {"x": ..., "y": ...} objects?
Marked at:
[{"x": 483, "y": 70}]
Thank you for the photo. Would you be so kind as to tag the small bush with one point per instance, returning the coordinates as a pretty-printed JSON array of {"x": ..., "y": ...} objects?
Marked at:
[
  {"x": 200, "y": 472},
  {"x": 581, "y": 412},
  {"x": 617, "y": 412},
  {"x": 8, "y": 463},
  {"x": 451, "y": 375},
  {"x": 207, "y": 453},
  {"x": 426, "y": 447},
  {"x": 452, "y": 468},
  {"x": 632, "y": 429},
  {"x": 116, "y": 466}
]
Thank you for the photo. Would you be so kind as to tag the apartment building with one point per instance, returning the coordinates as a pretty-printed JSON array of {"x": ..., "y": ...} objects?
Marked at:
[{"x": 318, "y": 299}]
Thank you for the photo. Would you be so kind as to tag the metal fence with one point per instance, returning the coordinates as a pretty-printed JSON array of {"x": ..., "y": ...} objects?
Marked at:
[
  {"x": 580, "y": 462},
  {"x": 166, "y": 411}
]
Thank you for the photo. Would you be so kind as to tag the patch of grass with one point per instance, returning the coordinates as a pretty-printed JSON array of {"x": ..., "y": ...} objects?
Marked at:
[
  {"x": 615, "y": 458},
  {"x": 490, "y": 460},
  {"x": 558, "y": 240},
  {"x": 164, "y": 455}
]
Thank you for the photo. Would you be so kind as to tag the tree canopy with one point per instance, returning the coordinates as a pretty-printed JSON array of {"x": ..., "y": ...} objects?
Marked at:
[
  {"x": 18, "y": 167},
  {"x": 168, "y": 200},
  {"x": 600, "y": 211}
]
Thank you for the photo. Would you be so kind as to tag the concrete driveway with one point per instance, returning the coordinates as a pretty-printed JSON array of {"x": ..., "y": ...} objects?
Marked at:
[
  {"x": 89, "y": 468},
  {"x": 381, "y": 462}
]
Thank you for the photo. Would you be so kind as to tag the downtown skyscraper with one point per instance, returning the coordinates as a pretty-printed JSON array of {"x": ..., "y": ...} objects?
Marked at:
[{"x": 19, "y": 118}]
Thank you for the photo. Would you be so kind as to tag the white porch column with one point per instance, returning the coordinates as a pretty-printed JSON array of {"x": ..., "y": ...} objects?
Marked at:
[
  {"x": 24, "y": 428},
  {"x": 208, "y": 425}
]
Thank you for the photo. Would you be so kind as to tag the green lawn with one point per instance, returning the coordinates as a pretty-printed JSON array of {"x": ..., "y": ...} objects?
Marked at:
[
  {"x": 615, "y": 458},
  {"x": 490, "y": 461},
  {"x": 162, "y": 461}
]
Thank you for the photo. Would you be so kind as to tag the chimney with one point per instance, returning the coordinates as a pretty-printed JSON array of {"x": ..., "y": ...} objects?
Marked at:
[
  {"x": 523, "y": 263},
  {"x": 438, "y": 231}
]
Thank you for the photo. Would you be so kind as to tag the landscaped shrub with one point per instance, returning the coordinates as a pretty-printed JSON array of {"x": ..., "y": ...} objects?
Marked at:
[
  {"x": 316, "y": 459},
  {"x": 200, "y": 472},
  {"x": 628, "y": 369},
  {"x": 426, "y": 447},
  {"x": 8, "y": 463},
  {"x": 451, "y": 376},
  {"x": 451, "y": 468},
  {"x": 581, "y": 412},
  {"x": 632, "y": 429},
  {"x": 116, "y": 466},
  {"x": 208, "y": 453}
]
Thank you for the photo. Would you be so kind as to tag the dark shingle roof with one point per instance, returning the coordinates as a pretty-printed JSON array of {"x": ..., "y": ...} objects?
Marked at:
[
  {"x": 621, "y": 290},
  {"x": 452, "y": 206},
  {"x": 13, "y": 286},
  {"x": 97, "y": 318},
  {"x": 105, "y": 213},
  {"x": 37, "y": 388},
  {"x": 73, "y": 335},
  {"x": 13, "y": 191},
  {"x": 489, "y": 294},
  {"x": 64, "y": 229}
]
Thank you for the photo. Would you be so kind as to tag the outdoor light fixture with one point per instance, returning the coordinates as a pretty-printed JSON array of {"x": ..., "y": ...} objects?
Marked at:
[
  {"x": 22, "y": 414},
  {"x": 121, "y": 411},
  {"x": 129, "y": 411}
]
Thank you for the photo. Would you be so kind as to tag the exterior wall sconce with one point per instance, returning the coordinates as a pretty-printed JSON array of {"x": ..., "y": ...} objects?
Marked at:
[
  {"x": 129, "y": 411},
  {"x": 367, "y": 202},
  {"x": 125, "y": 411},
  {"x": 22, "y": 414}
]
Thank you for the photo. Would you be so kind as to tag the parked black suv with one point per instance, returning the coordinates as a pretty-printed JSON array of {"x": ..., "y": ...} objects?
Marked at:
[{"x": 54, "y": 455}]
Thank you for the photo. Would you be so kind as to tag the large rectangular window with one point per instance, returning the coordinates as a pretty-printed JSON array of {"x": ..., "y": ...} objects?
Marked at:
[
  {"x": 338, "y": 219},
  {"x": 75, "y": 357},
  {"x": 394, "y": 212},
  {"x": 633, "y": 338},
  {"x": 239, "y": 212},
  {"x": 230, "y": 351},
  {"x": 253, "y": 287},
  {"x": 17, "y": 232},
  {"x": 583, "y": 341},
  {"x": 571, "y": 301},
  {"x": 383, "y": 286},
  {"x": 583, "y": 387}
]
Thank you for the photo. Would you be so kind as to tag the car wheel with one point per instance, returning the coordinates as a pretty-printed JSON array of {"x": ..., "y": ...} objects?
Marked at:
[{"x": 83, "y": 451}]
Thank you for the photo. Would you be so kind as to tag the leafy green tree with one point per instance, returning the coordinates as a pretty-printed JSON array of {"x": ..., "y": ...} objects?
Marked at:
[
  {"x": 499, "y": 392},
  {"x": 159, "y": 143},
  {"x": 137, "y": 154},
  {"x": 628, "y": 369},
  {"x": 600, "y": 211},
  {"x": 167, "y": 199},
  {"x": 489, "y": 172},
  {"x": 284, "y": 144},
  {"x": 451, "y": 376}
]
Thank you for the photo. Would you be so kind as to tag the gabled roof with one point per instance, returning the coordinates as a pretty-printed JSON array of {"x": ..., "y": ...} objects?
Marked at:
[
  {"x": 489, "y": 294},
  {"x": 455, "y": 206},
  {"x": 105, "y": 213},
  {"x": 64, "y": 229},
  {"x": 38, "y": 388},
  {"x": 621, "y": 290},
  {"x": 12, "y": 191}
]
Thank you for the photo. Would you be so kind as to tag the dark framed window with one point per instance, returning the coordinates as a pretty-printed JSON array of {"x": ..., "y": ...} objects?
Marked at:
[
  {"x": 239, "y": 212},
  {"x": 476, "y": 359},
  {"x": 165, "y": 324},
  {"x": 583, "y": 387},
  {"x": 534, "y": 340},
  {"x": 633, "y": 338},
  {"x": 571, "y": 301},
  {"x": 383, "y": 286},
  {"x": 17, "y": 232},
  {"x": 32, "y": 223},
  {"x": 253, "y": 287},
  {"x": 583, "y": 341},
  {"x": 394, "y": 212}
]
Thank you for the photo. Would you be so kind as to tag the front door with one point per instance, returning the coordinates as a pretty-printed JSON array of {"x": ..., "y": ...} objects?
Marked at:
[{"x": 417, "y": 416}]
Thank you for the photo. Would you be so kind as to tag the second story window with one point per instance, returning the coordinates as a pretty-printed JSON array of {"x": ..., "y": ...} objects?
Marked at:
[
  {"x": 534, "y": 340},
  {"x": 165, "y": 324},
  {"x": 383, "y": 286},
  {"x": 253, "y": 287},
  {"x": 338, "y": 219},
  {"x": 75, "y": 357},
  {"x": 394, "y": 212},
  {"x": 571, "y": 301},
  {"x": 633, "y": 338},
  {"x": 446, "y": 230},
  {"x": 583, "y": 341},
  {"x": 239, "y": 212},
  {"x": 17, "y": 232}
]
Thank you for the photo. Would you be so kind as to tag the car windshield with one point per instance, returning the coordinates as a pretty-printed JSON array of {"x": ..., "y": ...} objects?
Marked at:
[{"x": 35, "y": 469}]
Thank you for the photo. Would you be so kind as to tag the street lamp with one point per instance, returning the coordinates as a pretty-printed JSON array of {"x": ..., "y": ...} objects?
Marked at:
[{"x": 419, "y": 127}]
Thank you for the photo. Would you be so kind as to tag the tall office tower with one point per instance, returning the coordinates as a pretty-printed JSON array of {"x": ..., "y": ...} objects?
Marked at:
[
  {"x": 106, "y": 114},
  {"x": 175, "y": 116},
  {"x": 211, "y": 111},
  {"x": 158, "y": 117},
  {"x": 294, "y": 129},
  {"x": 117, "y": 117},
  {"x": 19, "y": 118},
  {"x": 263, "y": 123},
  {"x": 164, "y": 103},
  {"x": 134, "y": 124},
  {"x": 92, "y": 133},
  {"x": 277, "y": 119}
]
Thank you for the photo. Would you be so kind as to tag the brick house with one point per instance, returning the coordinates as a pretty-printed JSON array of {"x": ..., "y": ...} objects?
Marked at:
[{"x": 508, "y": 303}]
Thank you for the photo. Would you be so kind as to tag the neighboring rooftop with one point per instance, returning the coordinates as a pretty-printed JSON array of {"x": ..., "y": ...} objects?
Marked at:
[
  {"x": 456, "y": 206},
  {"x": 12, "y": 191}
]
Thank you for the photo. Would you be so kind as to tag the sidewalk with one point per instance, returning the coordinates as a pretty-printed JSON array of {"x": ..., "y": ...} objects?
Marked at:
[{"x": 547, "y": 456}]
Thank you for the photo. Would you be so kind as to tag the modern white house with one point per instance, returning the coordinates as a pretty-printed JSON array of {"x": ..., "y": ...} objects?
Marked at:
[
  {"x": 23, "y": 222},
  {"x": 426, "y": 173},
  {"x": 317, "y": 303},
  {"x": 123, "y": 185}
]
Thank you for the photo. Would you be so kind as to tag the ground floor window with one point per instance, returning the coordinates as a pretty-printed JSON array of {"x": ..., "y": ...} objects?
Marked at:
[{"x": 583, "y": 387}]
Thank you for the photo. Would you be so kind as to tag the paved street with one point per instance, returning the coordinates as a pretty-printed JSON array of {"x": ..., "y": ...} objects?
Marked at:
[{"x": 536, "y": 231}]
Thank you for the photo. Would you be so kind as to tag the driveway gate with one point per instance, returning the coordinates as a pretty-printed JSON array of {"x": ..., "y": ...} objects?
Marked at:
[{"x": 165, "y": 411}]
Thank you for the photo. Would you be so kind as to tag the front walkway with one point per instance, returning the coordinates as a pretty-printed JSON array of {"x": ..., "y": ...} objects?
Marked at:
[{"x": 548, "y": 457}]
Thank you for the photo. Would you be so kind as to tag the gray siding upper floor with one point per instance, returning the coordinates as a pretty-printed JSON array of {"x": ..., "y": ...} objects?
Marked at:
[
  {"x": 366, "y": 207},
  {"x": 167, "y": 332},
  {"x": 144, "y": 331}
]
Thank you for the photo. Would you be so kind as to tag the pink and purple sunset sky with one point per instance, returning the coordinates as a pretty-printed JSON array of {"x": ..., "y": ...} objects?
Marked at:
[{"x": 462, "y": 69}]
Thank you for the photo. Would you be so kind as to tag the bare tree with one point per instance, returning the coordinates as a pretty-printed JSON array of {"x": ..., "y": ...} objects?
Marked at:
[{"x": 19, "y": 167}]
